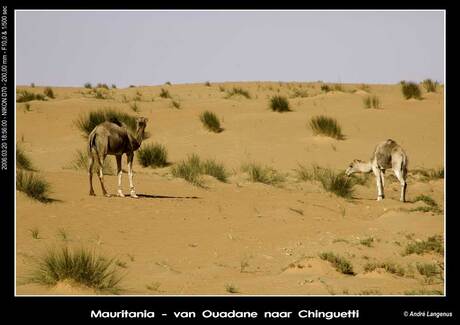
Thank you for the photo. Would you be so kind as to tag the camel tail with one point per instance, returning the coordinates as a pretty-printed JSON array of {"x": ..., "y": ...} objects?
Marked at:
[{"x": 91, "y": 142}]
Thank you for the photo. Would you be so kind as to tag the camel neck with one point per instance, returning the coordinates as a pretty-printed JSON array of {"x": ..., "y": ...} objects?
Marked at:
[
  {"x": 140, "y": 135},
  {"x": 365, "y": 167}
]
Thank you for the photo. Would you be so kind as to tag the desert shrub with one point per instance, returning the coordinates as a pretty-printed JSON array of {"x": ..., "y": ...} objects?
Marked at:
[
  {"x": 208, "y": 84},
  {"x": 114, "y": 86},
  {"x": 164, "y": 93},
  {"x": 327, "y": 126},
  {"x": 32, "y": 185},
  {"x": 337, "y": 183},
  {"x": 80, "y": 161},
  {"x": 32, "y": 84},
  {"x": 102, "y": 85},
  {"x": 371, "y": 102},
  {"x": 262, "y": 174},
  {"x": 168, "y": 83},
  {"x": 26, "y": 96},
  {"x": 429, "y": 174},
  {"x": 432, "y": 206},
  {"x": 101, "y": 93},
  {"x": 153, "y": 155},
  {"x": 326, "y": 88},
  {"x": 88, "y": 85},
  {"x": 87, "y": 122},
  {"x": 238, "y": 91},
  {"x": 214, "y": 169},
  {"x": 279, "y": 104},
  {"x": 299, "y": 93},
  {"x": 428, "y": 269},
  {"x": 193, "y": 168},
  {"x": 81, "y": 266},
  {"x": 22, "y": 160},
  {"x": 410, "y": 90},
  {"x": 367, "y": 241},
  {"x": 430, "y": 85},
  {"x": 210, "y": 121},
  {"x": 340, "y": 263},
  {"x": 176, "y": 104},
  {"x": 189, "y": 169},
  {"x": 387, "y": 266},
  {"x": 432, "y": 244},
  {"x": 49, "y": 92}
]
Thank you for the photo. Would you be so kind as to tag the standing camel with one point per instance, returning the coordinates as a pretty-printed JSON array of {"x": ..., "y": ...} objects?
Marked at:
[
  {"x": 113, "y": 138},
  {"x": 387, "y": 154}
]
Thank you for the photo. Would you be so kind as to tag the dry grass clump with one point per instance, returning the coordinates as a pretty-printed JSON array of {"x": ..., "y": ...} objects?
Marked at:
[
  {"x": 262, "y": 174},
  {"x": 80, "y": 266},
  {"x": 192, "y": 169},
  {"x": 279, "y": 104},
  {"x": 341, "y": 264},
  {"x": 210, "y": 121},
  {"x": 327, "y": 126},
  {"x": 153, "y": 155}
]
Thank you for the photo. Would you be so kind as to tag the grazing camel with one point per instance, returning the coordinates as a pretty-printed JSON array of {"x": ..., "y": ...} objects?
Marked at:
[
  {"x": 387, "y": 154},
  {"x": 113, "y": 138}
]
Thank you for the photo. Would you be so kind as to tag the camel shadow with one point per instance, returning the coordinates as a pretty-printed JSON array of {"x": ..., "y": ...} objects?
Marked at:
[{"x": 150, "y": 196}]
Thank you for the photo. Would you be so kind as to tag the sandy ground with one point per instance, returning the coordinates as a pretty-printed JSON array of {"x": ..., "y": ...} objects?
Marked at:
[{"x": 259, "y": 239}]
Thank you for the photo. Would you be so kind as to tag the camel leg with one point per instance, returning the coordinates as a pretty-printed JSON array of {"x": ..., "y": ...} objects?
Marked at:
[
  {"x": 101, "y": 159},
  {"x": 119, "y": 173},
  {"x": 403, "y": 183},
  {"x": 378, "y": 178},
  {"x": 90, "y": 173},
  {"x": 130, "y": 176}
]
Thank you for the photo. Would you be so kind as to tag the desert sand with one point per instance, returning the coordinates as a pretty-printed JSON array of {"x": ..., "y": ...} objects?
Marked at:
[{"x": 180, "y": 239}]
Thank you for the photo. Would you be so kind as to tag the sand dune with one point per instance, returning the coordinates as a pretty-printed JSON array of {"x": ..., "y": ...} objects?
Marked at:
[{"x": 259, "y": 238}]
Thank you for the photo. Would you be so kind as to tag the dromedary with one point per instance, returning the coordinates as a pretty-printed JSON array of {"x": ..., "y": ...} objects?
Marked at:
[
  {"x": 113, "y": 138},
  {"x": 387, "y": 154}
]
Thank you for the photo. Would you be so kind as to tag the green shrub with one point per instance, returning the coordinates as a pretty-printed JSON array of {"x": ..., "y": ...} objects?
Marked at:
[
  {"x": 261, "y": 174},
  {"x": 32, "y": 185},
  {"x": 340, "y": 263},
  {"x": 88, "y": 85},
  {"x": 193, "y": 168},
  {"x": 190, "y": 170},
  {"x": 22, "y": 161},
  {"x": 164, "y": 93},
  {"x": 176, "y": 104},
  {"x": 102, "y": 85},
  {"x": 428, "y": 269},
  {"x": 432, "y": 244},
  {"x": 430, "y": 85},
  {"x": 323, "y": 125},
  {"x": 81, "y": 266},
  {"x": 210, "y": 121},
  {"x": 371, "y": 102},
  {"x": 214, "y": 169},
  {"x": 87, "y": 122},
  {"x": 25, "y": 96},
  {"x": 238, "y": 91},
  {"x": 49, "y": 92},
  {"x": 411, "y": 90},
  {"x": 153, "y": 155},
  {"x": 337, "y": 183},
  {"x": 326, "y": 88},
  {"x": 279, "y": 104}
]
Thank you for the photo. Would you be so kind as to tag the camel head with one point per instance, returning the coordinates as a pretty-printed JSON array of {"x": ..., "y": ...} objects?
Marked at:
[
  {"x": 141, "y": 122},
  {"x": 354, "y": 167}
]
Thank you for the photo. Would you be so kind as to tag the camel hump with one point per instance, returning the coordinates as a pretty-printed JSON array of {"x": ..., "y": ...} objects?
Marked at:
[{"x": 114, "y": 120}]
